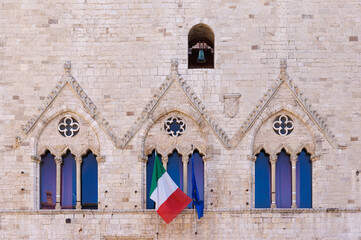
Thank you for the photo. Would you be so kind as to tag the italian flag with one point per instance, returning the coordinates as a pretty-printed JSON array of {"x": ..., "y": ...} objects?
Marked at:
[{"x": 169, "y": 199}]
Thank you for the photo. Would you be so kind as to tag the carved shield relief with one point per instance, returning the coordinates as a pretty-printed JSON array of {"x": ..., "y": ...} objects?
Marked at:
[{"x": 231, "y": 104}]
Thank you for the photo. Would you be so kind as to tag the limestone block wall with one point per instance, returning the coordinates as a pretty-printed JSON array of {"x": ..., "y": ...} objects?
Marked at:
[
  {"x": 121, "y": 225},
  {"x": 121, "y": 54}
]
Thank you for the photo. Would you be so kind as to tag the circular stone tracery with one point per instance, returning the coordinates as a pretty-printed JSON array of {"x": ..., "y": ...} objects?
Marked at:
[
  {"x": 174, "y": 126},
  {"x": 68, "y": 127},
  {"x": 283, "y": 125}
]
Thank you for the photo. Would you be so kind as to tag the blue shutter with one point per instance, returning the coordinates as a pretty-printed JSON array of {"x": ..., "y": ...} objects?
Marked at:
[
  {"x": 150, "y": 204},
  {"x": 262, "y": 181},
  {"x": 68, "y": 182},
  {"x": 47, "y": 182},
  {"x": 89, "y": 182},
  {"x": 283, "y": 181},
  {"x": 304, "y": 181},
  {"x": 199, "y": 174},
  {"x": 175, "y": 168}
]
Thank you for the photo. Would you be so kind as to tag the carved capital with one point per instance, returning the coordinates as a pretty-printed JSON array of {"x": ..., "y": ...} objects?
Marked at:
[
  {"x": 78, "y": 160},
  {"x": 315, "y": 157},
  {"x": 185, "y": 159},
  {"x": 100, "y": 159},
  {"x": 143, "y": 159},
  {"x": 252, "y": 158},
  {"x": 36, "y": 159},
  {"x": 206, "y": 158},
  {"x": 165, "y": 159},
  {"x": 273, "y": 159},
  {"x": 58, "y": 160},
  {"x": 294, "y": 159}
]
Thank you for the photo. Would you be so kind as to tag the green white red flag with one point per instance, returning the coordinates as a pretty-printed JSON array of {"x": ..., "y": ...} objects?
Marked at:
[{"x": 169, "y": 199}]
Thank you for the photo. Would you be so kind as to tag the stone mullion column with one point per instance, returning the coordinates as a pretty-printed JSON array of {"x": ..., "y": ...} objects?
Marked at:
[
  {"x": 294, "y": 162},
  {"x": 205, "y": 187},
  {"x": 185, "y": 173},
  {"x": 37, "y": 199},
  {"x": 165, "y": 162},
  {"x": 100, "y": 159},
  {"x": 78, "y": 160},
  {"x": 273, "y": 160},
  {"x": 58, "y": 161}
]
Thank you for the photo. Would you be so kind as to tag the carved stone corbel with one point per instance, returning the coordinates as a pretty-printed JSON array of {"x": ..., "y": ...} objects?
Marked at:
[
  {"x": 36, "y": 159},
  {"x": 100, "y": 159}
]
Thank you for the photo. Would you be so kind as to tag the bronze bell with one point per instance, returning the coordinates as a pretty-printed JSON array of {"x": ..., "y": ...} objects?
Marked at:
[{"x": 201, "y": 58}]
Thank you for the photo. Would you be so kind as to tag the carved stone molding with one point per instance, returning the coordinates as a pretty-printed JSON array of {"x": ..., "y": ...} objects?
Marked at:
[
  {"x": 315, "y": 157},
  {"x": 78, "y": 160},
  {"x": 195, "y": 101},
  {"x": 58, "y": 160},
  {"x": 273, "y": 158},
  {"x": 294, "y": 158},
  {"x": 100, "y": 159},
  {"x": 36, "y": 159},
  {"x": 267, "y": 97},
  {"x": 67, "y": 79}
]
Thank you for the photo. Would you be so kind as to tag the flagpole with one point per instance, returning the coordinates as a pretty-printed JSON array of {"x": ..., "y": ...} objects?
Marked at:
[
  {"x": 156, "y": 211},
  {"x": 194, "y": 209},
  {"x": 157, "y": 226}
]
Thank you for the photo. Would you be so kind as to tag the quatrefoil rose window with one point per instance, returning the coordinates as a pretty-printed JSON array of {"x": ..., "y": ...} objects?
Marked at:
[
  {"x": 283, "y": 125},
  {"x": 174, "y": 126},
  {"x": 68, "y": 127}
]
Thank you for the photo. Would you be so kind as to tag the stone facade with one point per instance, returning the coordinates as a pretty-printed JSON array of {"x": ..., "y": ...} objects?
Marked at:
[{"x": 120, "y": 69}]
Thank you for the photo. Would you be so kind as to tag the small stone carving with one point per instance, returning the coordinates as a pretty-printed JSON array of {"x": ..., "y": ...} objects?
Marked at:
[{"x": 231, "y": 104}]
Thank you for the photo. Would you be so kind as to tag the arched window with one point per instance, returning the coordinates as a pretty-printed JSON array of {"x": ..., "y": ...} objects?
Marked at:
[
  {"x": 89, "y": 182},
  {"x": 199, "y": 176},
  {"x": 47, "y": 181},
  {"x": 283, "y": 180},
  {"x": 175, "y": 168},
  {"x": 304, "y": 180},
  {"x": 68, "y": 182},
  {"x": 200, "y": 47},
  {"x": 262, "y": 181},
  {"x": 150, "y": 204}
]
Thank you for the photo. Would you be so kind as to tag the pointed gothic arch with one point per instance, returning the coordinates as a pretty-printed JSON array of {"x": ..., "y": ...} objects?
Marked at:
[
  {"x": 284, "y": 152},
  {"x": 173, "y": 150}
]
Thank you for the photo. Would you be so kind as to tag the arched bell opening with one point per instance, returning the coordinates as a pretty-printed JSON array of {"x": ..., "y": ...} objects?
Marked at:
[{"x": 200, "y": 47}]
